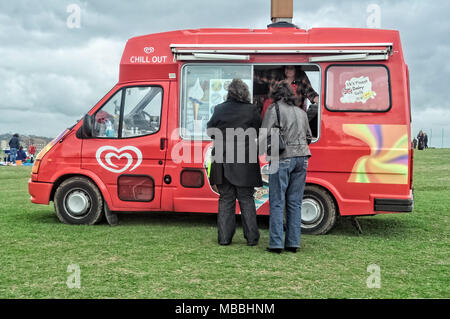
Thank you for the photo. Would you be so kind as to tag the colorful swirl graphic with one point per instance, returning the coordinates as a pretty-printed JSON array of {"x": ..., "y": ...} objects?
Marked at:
[{"x": 388, "y": 159}]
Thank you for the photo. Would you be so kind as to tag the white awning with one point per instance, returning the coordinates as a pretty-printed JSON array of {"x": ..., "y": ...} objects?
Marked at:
[
  {"x": 350, "y": 57},
  {"x": 340, "y": 51}
]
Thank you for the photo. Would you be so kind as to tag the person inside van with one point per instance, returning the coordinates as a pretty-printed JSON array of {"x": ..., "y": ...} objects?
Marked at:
[
  {"x": 234, "y": 178},
  {"x": 287, "y": 183},
  {"x": 300, "y": 84}
]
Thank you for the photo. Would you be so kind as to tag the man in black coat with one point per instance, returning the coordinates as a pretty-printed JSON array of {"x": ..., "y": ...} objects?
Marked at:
[{"x": 234, "y": 127}]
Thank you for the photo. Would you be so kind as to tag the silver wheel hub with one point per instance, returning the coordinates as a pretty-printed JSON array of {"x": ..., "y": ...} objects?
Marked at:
[
  {"x": 77, "y": 203},
  {"x": 312, "y": 212}
]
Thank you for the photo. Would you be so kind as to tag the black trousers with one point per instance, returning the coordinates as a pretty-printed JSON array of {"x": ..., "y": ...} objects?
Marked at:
[{"x": 226, "y": 219}]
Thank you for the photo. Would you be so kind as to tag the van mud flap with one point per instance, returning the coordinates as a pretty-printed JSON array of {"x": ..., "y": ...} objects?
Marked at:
[{"x": 394, "y": 205}]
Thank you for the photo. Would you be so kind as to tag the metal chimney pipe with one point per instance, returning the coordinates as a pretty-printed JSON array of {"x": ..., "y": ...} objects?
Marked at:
[{"x": 281, "y": 11}]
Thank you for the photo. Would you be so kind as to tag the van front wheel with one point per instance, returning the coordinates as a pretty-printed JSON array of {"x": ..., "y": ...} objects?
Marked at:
[
  {"x": 79, "y": 202},
  {"x": 319, "y": 211}
]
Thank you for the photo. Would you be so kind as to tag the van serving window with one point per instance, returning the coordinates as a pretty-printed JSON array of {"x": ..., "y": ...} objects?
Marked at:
[
  {"x": 357, "y": 88},
  {"x": 306, "y": 86},
  {"x": 203, "y": 87}
]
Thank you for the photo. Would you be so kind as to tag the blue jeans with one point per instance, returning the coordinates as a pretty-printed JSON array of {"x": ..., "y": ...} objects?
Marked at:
[
  {"x": 12, "y": 155},
  {"x": 286, "y": 187}
]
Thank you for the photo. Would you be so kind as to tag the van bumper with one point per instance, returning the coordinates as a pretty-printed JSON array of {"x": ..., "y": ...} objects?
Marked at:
[
  {"x": 394, "y": 205},
  {"x": 40, "y": 192}
]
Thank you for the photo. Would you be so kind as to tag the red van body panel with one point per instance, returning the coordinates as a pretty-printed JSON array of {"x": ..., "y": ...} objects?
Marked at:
[{"x": 359, "y": 157}]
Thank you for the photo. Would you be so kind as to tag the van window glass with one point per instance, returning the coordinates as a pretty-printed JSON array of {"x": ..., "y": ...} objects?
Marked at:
[
  {"x": 358, "y": 88},
  {"x": 142, "y": 110},
  {"x": 204, "y": 87},
  {"x": 106, "y": 122}
]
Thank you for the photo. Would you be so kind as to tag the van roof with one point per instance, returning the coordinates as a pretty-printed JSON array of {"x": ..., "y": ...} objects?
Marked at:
[{"x": 155, "y": 56}]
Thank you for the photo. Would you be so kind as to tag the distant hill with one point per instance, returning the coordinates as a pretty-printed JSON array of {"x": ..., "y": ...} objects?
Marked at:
[{"x": 5, "y": 136}]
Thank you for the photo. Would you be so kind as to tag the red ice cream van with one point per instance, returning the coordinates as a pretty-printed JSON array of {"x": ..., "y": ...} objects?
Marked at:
[{"x": 143, "y": 147}]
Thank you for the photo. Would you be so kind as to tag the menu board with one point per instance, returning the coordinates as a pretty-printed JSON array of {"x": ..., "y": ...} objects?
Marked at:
[
  {"x": 203, "y": 96},
  {"x": 218, "y": 91},
  {"x": 197, "y": 116}
]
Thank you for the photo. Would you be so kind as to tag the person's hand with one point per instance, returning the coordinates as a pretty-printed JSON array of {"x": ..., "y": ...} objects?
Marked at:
[{"x": 316, "y": 100}]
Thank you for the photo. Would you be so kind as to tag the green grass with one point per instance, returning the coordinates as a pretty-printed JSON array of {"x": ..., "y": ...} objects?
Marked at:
[{"x": 177, "y": 256}]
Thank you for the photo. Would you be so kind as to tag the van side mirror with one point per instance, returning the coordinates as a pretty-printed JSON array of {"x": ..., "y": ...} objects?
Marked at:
[{"x": 87, "y": 127}]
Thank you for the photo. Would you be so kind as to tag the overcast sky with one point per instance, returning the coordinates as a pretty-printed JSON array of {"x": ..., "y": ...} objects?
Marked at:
[{"x": 50, "y": 74}]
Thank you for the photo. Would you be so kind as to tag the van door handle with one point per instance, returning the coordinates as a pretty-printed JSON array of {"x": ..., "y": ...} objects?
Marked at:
[{"x": 162, "y": 143}]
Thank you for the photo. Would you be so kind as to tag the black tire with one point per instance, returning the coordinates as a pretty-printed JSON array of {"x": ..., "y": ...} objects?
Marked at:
[
  {"x": 319, "y": 211},
  {"x": 83, "y": 196}
]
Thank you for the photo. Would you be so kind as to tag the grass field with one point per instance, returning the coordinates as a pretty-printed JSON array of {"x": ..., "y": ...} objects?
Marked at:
[{"x": 177, "y": 256}]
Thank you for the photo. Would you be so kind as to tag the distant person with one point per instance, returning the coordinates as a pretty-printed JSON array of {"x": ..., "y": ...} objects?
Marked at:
[
  {"x": 234, "y": 179},
  {"x": 6, "y": 157},
  {"x": 425, "y": 140},
  {"x": 14, "y": 145},
  {"x": 420, "y": 141},
  {"x": 21, "y": 155},
  {"x": 32, "y": 152},
  {"x": 414, "y": 143}
]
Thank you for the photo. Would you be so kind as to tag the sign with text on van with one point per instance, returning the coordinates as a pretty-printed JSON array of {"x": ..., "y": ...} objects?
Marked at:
[
  {"x": 357, "y": 90},
  {"x": 148, "y": 59},
  {"x": 110, "y": 158}
]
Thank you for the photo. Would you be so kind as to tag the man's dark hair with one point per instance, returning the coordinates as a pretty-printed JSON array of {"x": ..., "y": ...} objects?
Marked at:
[
  {"x": 283, "y": 92},
  {"x": 16, "y": 135},
  {"x": 239, "y": 91}
]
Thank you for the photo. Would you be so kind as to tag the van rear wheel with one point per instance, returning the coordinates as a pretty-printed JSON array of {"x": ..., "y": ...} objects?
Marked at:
[
  {"x": 78, "y": 201},
  {"x": 319, "y": 212}
]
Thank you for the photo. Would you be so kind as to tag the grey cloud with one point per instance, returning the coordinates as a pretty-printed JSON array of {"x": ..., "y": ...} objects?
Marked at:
[
  {"x": 67, "y": 82},
  {"x": 36, "y": 122},
  {"x": 62, "y": 72}
]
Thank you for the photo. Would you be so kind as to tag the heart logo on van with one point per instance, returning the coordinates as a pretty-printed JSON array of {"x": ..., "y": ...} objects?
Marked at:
[{"x": 106, "y": 154}]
